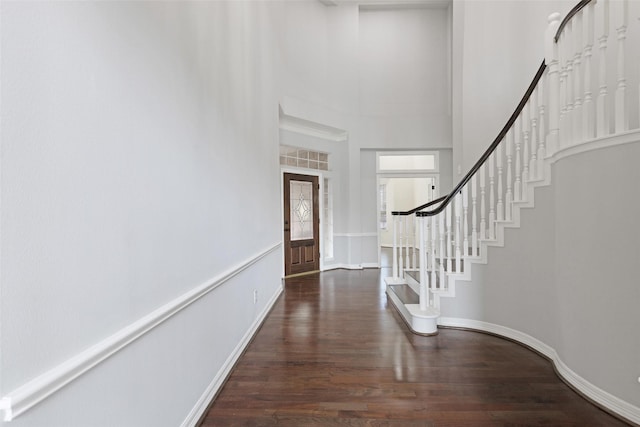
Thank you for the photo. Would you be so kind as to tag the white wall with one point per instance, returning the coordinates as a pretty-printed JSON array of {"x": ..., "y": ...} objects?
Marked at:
[
  {"x": 596, "y": 207},
  {"x": 392, "y": 95},
  {"x": 404, "y": 88},
  {"x": 338, "y": 173},
  {"x": 139, "y": 147},
  {"x": 567, "y": 276},
  {"x": 368, "y": 196},
  {"x": 492, "y": 66}
]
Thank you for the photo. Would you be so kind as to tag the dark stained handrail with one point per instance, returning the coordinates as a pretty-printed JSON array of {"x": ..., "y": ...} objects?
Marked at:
[
  {"x": 491, "y": 148},
  {"x": 419, "y": 208},
  {"x": 577, "y": 8},
  {"x": 445, "y": 200}
]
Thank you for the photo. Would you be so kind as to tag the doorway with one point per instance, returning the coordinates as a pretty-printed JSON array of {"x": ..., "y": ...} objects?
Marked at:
[
  {"x": 301, "y": 224},
  {"x": 399, "y": 193}
]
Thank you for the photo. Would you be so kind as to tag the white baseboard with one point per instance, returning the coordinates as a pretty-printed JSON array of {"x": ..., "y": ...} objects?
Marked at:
[
  {"x": 352, "y": 266},
  {"x": 370, "y": 234},
  {"x": 218, "y": 381},
  {"x": 370, "y": 265},
  {"x": 38, "y": 389},
  {"x": 607, "y": 400}
]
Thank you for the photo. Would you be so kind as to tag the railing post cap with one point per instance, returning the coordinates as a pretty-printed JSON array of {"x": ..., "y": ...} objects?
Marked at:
[{"x": 555, "y": 16}]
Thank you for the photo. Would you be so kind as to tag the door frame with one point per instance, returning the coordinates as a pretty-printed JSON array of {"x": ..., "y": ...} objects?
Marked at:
[
  {"x": 391, "y": 175},
  {"x": 308, "y": 172}
]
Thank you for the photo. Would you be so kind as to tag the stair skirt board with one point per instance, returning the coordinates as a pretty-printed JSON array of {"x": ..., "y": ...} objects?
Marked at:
[
  {"x": 395, "y": 281},
  {"x": 418, "y": 321}
]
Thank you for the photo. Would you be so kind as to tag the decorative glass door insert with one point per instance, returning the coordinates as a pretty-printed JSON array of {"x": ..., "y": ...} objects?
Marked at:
[{"x": 301, "y": 210}]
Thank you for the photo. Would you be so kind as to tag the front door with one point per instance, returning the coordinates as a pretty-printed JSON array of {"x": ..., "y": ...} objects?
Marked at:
[{"x": 301, "y": 224}]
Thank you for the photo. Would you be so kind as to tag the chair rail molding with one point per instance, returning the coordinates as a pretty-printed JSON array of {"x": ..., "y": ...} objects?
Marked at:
[{"x": 38, "y": 389}]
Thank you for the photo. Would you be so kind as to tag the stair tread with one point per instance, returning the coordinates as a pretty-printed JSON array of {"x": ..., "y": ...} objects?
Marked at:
[{"x": 405, "y": 294}]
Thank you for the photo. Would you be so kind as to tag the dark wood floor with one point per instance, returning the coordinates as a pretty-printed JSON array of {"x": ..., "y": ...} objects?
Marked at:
[{"x": 334, "y": 352}]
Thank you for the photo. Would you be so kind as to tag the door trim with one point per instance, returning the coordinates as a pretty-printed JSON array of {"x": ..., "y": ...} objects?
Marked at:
[
  {"x": 382, "y": 175},
  {"x": 308, "y": 172}
]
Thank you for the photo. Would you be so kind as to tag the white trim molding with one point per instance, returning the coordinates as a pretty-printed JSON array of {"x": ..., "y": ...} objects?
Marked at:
[
  {"x": 218, "y": 381},
  {"x": 351, "y": 266},
  {"x": 607, "y": 400},
  {"x": 629, "y": 137},
  {"x": 371, "y": 234},
  {"x": 35, "y": 391}
]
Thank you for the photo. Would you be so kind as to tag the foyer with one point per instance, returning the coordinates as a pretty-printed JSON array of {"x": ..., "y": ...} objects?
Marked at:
[
  {"x": 333, "y": 351},
  {"x": 144, "y": 148}
]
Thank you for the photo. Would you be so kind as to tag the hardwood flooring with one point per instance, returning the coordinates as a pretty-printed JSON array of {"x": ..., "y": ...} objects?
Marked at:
[{"x": 333, "y": 352}]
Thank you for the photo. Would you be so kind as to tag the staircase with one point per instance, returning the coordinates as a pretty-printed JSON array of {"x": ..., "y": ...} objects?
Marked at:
[{"x": 563, "y": 109}]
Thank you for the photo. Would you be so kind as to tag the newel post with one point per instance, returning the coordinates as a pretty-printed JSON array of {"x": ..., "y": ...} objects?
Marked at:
[
  {"x": 424, "y": 293},
  {"x": 395, "y": 247},
  {"x": 553, "y": 73}
]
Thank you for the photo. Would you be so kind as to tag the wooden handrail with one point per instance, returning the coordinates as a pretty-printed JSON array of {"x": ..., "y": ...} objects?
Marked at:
[
  {"x": 491, "y": 148},
  {"x": 577, "y": 8},
  {"x": 445, "y": 200},
  {"x": 419, "y": 208}
]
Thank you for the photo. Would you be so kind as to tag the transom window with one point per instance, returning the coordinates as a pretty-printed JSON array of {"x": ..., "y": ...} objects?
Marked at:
[
  {"x": 399, "y": 162},
  {"x": 303, "y": 158}
]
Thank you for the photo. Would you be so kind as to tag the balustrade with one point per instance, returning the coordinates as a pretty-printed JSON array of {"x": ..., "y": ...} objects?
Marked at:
[
  {"x": 602, "y": 115},
  {"x": 561, "y": 110},
  {"x": 588, "y": 108}
]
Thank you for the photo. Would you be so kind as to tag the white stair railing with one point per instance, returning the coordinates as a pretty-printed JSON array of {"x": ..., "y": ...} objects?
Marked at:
[{"x": 563, "y": 107}]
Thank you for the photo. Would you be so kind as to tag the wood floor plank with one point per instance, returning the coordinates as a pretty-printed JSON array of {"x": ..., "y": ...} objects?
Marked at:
[{"x": 333, "y": 352}]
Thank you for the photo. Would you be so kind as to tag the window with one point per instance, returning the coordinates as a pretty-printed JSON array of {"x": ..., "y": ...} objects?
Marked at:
[
  {"x": 317, "y": 160},
  {"x": 328, "y": 218},
  {"x": 303, "y": 158},
  {"x": 382, "y": 190},
  {"x": 407, "y": 162}
]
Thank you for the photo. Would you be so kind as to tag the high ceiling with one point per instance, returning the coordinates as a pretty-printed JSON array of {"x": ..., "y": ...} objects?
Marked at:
[{"x": 391, "y": 4}]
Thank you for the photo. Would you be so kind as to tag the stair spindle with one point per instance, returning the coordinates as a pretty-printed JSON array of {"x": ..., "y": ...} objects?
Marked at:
[
  {"x": 424, "y": 257},
  {"x": 424, "y": 295},
  {"x": 441, "y": 231},
  {"x": 562, "y": 91},
  {"x": 458, "y": 235},
  {"x": 465, "y": 221},
  {"x": 517, "y": 186},
  {"x": 533, "y": 163},
  {"x": 434, "y": 235},
  {"x": 407, "y": 234},
  {"x": 416, "y": 236},
  {"x": 541, "y": 129},
  {"x": 588, "y": 107},
  {"x": 622, "y": 118},
  {"x": 492, "y": 198},
  {"x": 474, "y": 218},
  {"x": 500, "y": 205},
  {"x": 553, "y": 84},
  {"x": 483, "y": 222},
  {"x": 577, "y": 85},
  {"x": 400, "y": 248},
  {"x": 395, "y": 247},
  {"x": 568, "y": 47},
  {"x": 526, "y": 133},
  {"x": 602, "y": 109},
  {"x": 509, "y": 196},
  {"x": 448, "y": 214}
]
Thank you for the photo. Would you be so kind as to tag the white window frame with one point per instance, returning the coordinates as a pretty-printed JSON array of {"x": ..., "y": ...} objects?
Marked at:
[{"x": 436, "y": 162}]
